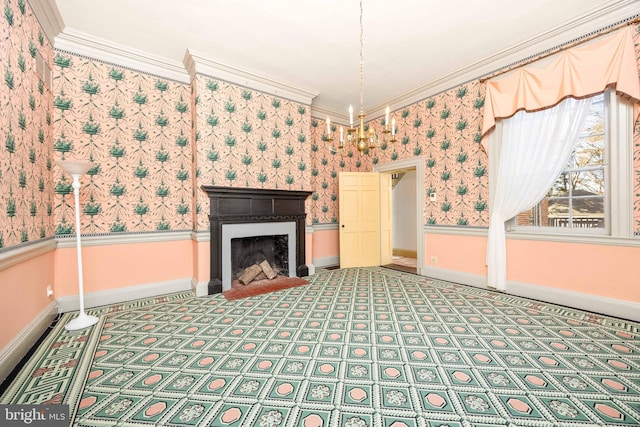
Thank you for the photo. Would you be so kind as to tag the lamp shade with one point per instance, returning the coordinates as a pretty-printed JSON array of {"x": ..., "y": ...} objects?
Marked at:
[{"x": 74, "y": 167}]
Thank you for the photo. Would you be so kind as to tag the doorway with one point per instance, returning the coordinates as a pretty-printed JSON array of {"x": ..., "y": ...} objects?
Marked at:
[{"x": 407, "y": 200}]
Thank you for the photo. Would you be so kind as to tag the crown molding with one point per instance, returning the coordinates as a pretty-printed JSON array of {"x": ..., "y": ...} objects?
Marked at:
[
  {"x": 89, "y": 46},
  {"x": 589, "y": 24},
  {"x": 338, "y": 117},
  {"x": 199, "y": 63},
  {"x": 47, "y": 14}
]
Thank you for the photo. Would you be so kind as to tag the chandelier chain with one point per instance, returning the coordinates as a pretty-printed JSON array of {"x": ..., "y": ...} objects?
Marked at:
[
  {"x": 361, "y": 61},
  {"x": 364, "y": 142}
]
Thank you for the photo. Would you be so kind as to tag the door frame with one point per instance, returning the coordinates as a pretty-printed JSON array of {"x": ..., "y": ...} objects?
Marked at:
[{"x": 418, "y": 164}]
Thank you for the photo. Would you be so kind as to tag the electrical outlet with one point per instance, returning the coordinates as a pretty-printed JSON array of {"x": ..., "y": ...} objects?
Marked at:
[
  {"x": 434, "y": 259},
  {"x": 49, "y": 291},
  {"x": 433, "y": 197}
]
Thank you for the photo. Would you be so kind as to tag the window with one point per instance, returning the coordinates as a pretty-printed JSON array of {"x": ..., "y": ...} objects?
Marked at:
[
  {"x": 595, "y": 182},
  {"x": 577, "y": 198}
]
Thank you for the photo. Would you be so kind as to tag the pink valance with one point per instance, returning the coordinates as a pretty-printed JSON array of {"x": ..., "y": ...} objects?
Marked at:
[{"x": 580, "y": 71}]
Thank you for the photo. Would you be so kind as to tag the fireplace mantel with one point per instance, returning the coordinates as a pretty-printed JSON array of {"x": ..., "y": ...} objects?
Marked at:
[{"x": 232, "y": 205}]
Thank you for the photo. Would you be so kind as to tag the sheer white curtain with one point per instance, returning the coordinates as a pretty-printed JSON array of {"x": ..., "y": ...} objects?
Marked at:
[{"x": 531, "y": 150}]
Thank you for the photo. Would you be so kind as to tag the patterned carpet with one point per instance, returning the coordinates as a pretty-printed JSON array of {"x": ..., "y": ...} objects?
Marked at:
[{"x": 353, "y": 348}]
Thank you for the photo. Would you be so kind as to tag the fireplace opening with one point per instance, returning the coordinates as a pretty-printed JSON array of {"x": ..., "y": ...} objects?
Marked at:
[
  {"x": 247, "y": 251},
  {"x": 275, "y": 241}
]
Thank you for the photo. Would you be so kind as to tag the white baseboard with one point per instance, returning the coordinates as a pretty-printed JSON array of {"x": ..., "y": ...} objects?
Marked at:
[
  {"x": 328, "y": 261},
  {"x": 114, "y": 296},
  {"x": 470, "y": 279},
  {"x": 11, "y": 355},
  {"x": 578, "y": 300},
  {"x": 200, "y": 289},
  {"x": 594, "y": 303}
]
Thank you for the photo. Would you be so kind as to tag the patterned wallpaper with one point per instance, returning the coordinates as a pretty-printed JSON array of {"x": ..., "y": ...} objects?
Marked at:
[
  {"x": 26, "y": 188},
  {"x": 251, "y": 139},
  {"x": 327, "y": 163},
  {"x": 136, "y": 129},
  {"x": 444, "y": 130}
]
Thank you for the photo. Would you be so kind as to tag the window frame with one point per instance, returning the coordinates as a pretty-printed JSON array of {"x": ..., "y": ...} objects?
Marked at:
[{"x": 618, "y": 169}]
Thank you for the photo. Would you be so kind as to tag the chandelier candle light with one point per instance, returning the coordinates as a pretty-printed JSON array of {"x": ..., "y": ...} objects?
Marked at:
[
  {"x": 76, "y": 169},
  {"x": 364, "y": 140}
]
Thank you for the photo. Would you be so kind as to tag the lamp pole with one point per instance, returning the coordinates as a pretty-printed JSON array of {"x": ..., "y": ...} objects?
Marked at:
[{"x": 76, "y": 169}]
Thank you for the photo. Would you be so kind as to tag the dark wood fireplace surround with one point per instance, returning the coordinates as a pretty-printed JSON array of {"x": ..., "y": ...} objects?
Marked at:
[{"x": 230, "y": 205}]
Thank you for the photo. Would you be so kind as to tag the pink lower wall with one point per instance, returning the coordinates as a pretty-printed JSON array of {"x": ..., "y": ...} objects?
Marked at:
[
  {"x": 24, "y": 294},
  {"x": 121, "y": 265},
  {"x": 113, "y": 266},
  {"x": 608, "y": 271},
  {"x": 601, "y": 270},
  {"x": 464, "y": 254},
  {"x": 326, "y": 243},
  {"x": 308, "y": 248},
  {"x": 201, "y": 261}
]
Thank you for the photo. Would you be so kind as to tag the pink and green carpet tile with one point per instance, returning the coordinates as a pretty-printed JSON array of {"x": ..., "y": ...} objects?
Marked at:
[{"x": 355, "y": 347}]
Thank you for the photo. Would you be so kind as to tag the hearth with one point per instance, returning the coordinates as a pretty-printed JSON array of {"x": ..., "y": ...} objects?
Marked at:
[{"x": 259, "y": 220}]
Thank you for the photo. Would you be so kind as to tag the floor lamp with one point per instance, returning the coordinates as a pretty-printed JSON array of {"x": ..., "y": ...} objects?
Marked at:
[{"x": 76, "y": 169}]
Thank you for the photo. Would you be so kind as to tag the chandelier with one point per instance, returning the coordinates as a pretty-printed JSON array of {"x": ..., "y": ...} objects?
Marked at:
[{"x": 364, "y": 139}]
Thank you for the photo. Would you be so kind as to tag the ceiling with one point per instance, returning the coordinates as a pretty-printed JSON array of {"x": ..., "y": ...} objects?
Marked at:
[{"x": 412, "y": 48}]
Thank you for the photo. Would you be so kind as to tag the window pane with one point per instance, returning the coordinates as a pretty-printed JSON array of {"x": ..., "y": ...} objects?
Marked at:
[
  {"x": 588, "y": 182},
  {"x": 525, "y": 218},
  {"x": 561, "y": 186},
  {"x": 588, "y": 212},
  {"x": 558, "y": 213},
  {"x": 589, "y": 149}
]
